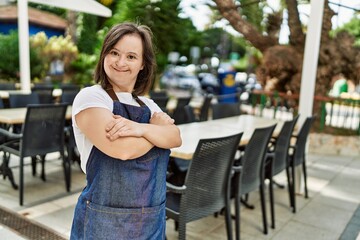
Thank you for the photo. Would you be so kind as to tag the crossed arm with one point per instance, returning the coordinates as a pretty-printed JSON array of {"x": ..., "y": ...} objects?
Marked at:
[{"x": 121, "y": 138}]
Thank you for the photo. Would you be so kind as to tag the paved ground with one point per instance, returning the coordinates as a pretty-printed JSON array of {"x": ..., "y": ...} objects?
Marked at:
[{"x": 331, "y": 212}]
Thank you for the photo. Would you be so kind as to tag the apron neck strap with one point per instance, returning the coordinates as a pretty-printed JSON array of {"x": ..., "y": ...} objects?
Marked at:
[{"x": 113, "y": 96}]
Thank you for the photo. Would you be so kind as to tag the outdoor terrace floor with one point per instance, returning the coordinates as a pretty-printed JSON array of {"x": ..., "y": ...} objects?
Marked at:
[{"x": 334, "y": 191}]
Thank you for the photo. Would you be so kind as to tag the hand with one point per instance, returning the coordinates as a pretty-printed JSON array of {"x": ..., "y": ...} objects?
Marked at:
[
  {"x": 161, "y": 118},
  {"x": 122, "y": 127}
]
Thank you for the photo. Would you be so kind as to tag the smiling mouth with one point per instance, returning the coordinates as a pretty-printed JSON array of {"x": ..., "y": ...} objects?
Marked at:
[{"x": 119, "y": 70}]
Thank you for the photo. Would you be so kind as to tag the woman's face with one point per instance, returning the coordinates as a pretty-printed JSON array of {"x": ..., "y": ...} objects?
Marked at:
[{"x": 123, "y": 63}]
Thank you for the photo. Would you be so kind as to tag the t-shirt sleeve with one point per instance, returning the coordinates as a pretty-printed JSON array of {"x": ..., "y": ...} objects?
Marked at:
[
  {"x": 151, "y": 104},
  {"x": 91, "y": 97}
]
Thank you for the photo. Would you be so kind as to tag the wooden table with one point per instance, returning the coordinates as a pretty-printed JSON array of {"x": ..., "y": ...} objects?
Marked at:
[
  {"x": 191, "y": 133},
  {"x": 17, "y": 115}
]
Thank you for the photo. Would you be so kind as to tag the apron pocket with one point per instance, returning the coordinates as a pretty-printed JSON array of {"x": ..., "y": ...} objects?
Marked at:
[{"x": 103, "y": 222}]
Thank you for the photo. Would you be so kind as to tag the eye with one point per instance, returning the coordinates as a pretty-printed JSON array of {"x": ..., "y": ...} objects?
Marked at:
[
  {"x": 114, "y": 53},
  {"x": 132, "y": 57}
]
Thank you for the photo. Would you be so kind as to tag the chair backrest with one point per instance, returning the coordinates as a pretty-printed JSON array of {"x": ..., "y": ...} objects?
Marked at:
[
  {"x": 2, "y": 103},
  {"x": 189, "y": 114},
  {"x": 22, "y": 100},
  {"x": 7, "y": 86},
  {"x": 301, "y": 140},
  {"x": 252, "y": 162},
  {"x": 179, "y": 112},
  {"x": 68, "y": 97},
  {"x": 222, "y": 110},
  {"x": 43, "y": 129},
  {"x": 161, "y": 101},
  {"x": 69, "y": 87},
  {"x": 282, "y": 146},
  {"x": 204, "y": 111},
  {"x": 208, "y": 176},
  {"x": 161, "y": 93},
  {"x": 45, "y": 92}
]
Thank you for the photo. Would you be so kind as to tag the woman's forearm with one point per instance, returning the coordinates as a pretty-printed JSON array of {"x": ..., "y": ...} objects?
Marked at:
[
  {"x": 92, "y": 123},
  {"x": 163, "y": 136}
]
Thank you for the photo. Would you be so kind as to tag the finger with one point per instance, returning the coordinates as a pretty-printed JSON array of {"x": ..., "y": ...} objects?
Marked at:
[
  {"x": 110, "y": 125},
  {"x": 117, "y": 127}
]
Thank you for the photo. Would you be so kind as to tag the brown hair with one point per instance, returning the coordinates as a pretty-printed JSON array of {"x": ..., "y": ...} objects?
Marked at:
[{"x": 146, "y": 75}]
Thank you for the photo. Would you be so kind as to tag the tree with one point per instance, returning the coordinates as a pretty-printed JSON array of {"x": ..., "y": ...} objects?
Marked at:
[
  {"x": 171, "y": 33},
  {"x": 282, "y": 64}
]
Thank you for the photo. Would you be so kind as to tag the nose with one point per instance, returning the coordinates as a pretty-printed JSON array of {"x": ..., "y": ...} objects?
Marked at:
[{"x": 120, "y": 60}]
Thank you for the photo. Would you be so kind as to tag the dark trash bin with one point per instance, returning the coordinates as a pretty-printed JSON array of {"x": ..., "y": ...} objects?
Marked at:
[{"x": 228, "y": 87}]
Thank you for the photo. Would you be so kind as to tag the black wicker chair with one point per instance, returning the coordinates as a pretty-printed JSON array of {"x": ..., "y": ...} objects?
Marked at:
[
  {"x": 297, "y": 157},
  {"x": 249, "y": 173},
  {"x": 222, "y": 110},
  {"x": 42, "y": 133},
  {"x": 179, "y": 112},
  {"x": 45, "y": 92},
  {"x": 204, "y": 111},
  {"x": 189, "y": 114},
  {"x": 206, "y": 189},
  {"x": 7, "y": 86},
  {"x": 161, "y": 101},
  {"x": 277, "y": 160},
  {"x": 22, "y": 100}
]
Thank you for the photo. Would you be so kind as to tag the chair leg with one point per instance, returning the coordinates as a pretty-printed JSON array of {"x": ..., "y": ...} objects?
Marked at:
[
  {"x": 33, "y": 165},
  {"x": 293, "y": 188},
  {"x": 278, "y": 184},
  {"x": 67, "y": 171},
  {"x": 244, "y": 201},
  {"x": 176, "y": 225},
  {"x": 263, "y": 208},
  {"x": 237, "y": 206},
  {"x": 21, "y": 181},
  {"x": 289, "y": 180},
  {"x": 305, "y": 178},
  {"x": 237, "y": 218},
  {"x": 271, "y": 195},
  {"x": 42, "y": 157},
  {"x": 6, "y": 171},
  {"x": 228, "y": 221}
]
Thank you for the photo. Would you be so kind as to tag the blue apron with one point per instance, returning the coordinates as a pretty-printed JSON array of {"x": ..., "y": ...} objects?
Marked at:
[{"x": 123, "y": 199}]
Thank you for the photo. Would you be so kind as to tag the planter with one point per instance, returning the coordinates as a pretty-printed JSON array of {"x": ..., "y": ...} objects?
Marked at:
[{"x": 328, "y": 144}]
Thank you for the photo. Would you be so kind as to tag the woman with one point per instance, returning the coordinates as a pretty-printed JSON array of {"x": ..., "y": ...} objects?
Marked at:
[{"x": 124, "y": 143}]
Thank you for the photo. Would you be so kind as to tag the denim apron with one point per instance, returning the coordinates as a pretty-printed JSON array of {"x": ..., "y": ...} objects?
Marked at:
[{"x": 123, "y": 199}]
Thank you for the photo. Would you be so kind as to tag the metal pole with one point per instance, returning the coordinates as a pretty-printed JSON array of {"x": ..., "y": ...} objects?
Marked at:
[
  {"x": 310, "y": 63},
  {"x": 24, "y": 50}
]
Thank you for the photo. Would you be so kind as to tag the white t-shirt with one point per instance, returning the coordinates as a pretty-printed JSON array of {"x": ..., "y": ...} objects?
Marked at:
[{"x": 96, "y": 96}]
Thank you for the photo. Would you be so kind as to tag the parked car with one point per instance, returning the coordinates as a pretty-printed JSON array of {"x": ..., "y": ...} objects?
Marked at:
[
  {"x": 180, "y": 77},
  {"x": 209, "y": 82}
]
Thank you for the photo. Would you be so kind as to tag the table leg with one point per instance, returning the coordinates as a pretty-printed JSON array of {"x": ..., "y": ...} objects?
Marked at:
[{"x": 7, "y": 172}]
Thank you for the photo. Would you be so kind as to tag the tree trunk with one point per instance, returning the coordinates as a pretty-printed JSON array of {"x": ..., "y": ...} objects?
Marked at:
[{"x": 229, "y": 11}]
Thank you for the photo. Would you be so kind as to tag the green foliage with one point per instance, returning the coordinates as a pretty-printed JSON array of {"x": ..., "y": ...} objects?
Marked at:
[
  {"x": 9, "y": 61},
  {"x": 83, "y": 69},
  {"x": 171, "y": 33},
  {"x": 54, "y": 10},
  {"x": 352, "y": 27},
  {"x": 253, "y": 11},
  {"x": 88, "y": 28}
]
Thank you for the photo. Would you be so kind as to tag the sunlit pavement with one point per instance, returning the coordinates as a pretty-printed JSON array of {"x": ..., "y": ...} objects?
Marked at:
[{"x": 333, "y": 183}]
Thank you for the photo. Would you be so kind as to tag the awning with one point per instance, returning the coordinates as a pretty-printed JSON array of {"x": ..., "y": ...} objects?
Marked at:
[{"x": 86, "y": 6}]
